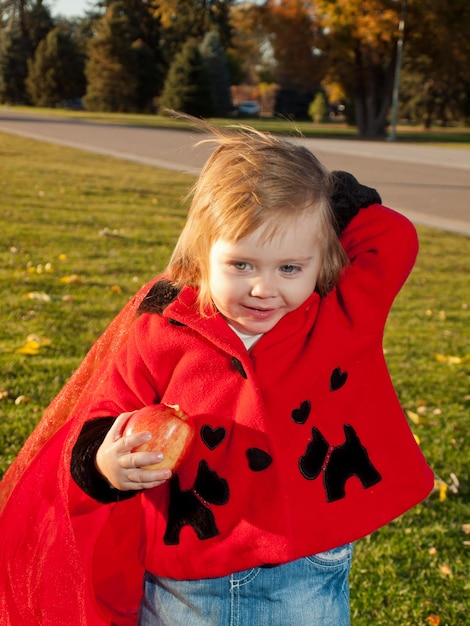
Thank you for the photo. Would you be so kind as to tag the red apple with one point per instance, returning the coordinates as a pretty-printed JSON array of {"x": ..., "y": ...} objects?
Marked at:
[{"x": 172, "y": 433}]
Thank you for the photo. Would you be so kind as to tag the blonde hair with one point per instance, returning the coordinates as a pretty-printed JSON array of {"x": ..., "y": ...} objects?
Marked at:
[{"x": 250, "y": 180}]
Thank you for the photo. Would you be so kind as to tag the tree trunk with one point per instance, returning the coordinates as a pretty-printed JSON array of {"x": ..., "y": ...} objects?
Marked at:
[{"x": 373, "y": 95}]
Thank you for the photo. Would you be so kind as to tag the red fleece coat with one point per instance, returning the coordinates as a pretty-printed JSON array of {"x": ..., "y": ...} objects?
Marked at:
[{"x": 302, "y": 444}]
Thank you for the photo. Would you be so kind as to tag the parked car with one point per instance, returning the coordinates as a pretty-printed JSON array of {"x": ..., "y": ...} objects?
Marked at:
[{"x": 249, "y": 107}]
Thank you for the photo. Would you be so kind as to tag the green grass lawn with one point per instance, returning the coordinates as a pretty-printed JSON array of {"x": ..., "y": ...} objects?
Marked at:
[{"x": 80, "y": 233}]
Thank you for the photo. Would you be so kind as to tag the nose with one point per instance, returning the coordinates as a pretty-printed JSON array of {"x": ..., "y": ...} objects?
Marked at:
[{"x": 263, "y": 287}]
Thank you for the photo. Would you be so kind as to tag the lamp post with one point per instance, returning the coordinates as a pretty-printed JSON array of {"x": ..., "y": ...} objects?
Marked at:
[{"x": 398, "y": 63}]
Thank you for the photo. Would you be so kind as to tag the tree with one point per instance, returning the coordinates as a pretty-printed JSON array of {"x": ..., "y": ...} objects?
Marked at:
[
  {"x": 318, "y": 108},
  {"x": 250, "y": 52},
  {"x": 297, "y": 67},
  {"x": 185, "y": 19},
  {"x": 188, "y": 87},
  {"x": 27, "y": 23},
  {"x": 292, "y": 25},
  {"x": 56, "y": 72},
  {"x": 13, "y": 67},
  {"x": 215, "y": 61},
  {"x": 437, "y": 58},
  {"x": 358, "y": 38},
  {"x": 122, "y": 69}
]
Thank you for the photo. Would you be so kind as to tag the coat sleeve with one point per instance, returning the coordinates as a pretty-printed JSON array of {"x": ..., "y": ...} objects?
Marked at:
[
  {"x": 382, "y": 246},
  {"x": 129, "y": 384}
]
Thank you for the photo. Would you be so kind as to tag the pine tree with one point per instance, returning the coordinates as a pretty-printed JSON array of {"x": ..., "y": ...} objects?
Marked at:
[
  {"x": 122, "y": 70},
  {"x": 188, "y": 19},
  {"x": 30, "y": 23},
  {"x": 56, "y": 72},
  {"x": 215, "y": 60},
  {"x": 187, "y": 86},
  {"x": 13, "y": 67}
]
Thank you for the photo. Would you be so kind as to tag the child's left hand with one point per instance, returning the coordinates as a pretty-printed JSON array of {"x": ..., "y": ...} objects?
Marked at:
[{"x": 123, "y": 468}]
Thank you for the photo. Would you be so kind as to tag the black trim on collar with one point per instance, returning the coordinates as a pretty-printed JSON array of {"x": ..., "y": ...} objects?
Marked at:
[{"x": 159, "y": 297}]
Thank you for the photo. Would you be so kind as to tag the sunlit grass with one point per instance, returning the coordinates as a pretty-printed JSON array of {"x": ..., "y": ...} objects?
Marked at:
[
  {"x": 80, "y": 233},
  {"x": 443, "y": 136}
]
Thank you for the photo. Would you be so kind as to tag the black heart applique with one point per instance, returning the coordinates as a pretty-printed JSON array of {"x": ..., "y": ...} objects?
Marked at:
[
  {"x": 337, "y": 379},
  {"x": 212, "y": 437},
  {"x": 301, "y": 414},
  {"x": 258, "y": 460}
]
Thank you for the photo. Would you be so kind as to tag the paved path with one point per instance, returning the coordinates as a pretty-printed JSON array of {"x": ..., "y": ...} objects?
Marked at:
[{"x": 429, "y": 184}]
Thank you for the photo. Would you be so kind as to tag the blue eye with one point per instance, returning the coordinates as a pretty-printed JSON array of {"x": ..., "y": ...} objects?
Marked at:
[
  {"x": 290, "y": 269},
  {"x": 241, "y": 265}
]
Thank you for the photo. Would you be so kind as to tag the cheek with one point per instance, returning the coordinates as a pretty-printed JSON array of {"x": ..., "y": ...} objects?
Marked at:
[
  {"x": 220, "y": 289},
  {"x": 303, "y": 290}
]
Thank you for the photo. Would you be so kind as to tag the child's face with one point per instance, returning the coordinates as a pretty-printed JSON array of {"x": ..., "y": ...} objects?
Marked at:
[{"x": 253, "y": 284}]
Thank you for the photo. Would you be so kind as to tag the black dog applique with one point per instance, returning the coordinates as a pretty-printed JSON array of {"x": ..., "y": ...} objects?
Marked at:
[
  {"x": 190, "y": 507},
  {"x": 338, "y": 464}
]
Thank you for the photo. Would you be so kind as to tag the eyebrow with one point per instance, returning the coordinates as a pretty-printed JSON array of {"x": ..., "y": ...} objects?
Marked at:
[{"x": 241, "y": 257}]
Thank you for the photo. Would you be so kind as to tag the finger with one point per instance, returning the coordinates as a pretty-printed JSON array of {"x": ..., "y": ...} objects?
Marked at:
[
  {"x": 142, "y": 479},
  {"x": 115, "y": 432},
  {"x": 126, "y": 444},
  {"x": 140, "y": 460}
]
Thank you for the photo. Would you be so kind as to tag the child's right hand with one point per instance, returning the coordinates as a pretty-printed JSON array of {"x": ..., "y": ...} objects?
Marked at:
[{"x": 123, "y": 468}]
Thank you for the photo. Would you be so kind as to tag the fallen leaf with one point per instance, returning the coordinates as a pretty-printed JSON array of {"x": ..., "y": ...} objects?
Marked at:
[
  {"x": 38, "y": 295},
  {"x": 21, "y": 400},
  {"x": 116, "y": 289},
  {"x": 33, "y": 344},
  {"x": 72, "y": 279},
  {"x": 30, "y": 347},
  {"x": 466, "y": 528},
  {"x": 414, "y": 417},
  {"x": 454, "y": 484},
  {"x": 441, "y": 487},
  {"x": 445, "y": 570},
  {"x": 43, "y": 341},
  {"x": 433, "y": 620},
  {"x": 448, "y": 358}
]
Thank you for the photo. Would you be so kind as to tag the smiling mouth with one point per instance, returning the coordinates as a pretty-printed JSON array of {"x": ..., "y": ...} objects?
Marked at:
[{"x": 258, "y": 313}]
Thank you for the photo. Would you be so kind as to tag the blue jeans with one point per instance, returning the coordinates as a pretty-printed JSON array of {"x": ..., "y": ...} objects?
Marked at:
[{"x": 312, "y": 591}]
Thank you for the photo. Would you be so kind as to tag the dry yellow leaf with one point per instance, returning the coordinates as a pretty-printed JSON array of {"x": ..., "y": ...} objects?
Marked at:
[
  {"x": 38, "y": 295},
  {"x": 72, "y": 279},
  {"x": 448, "y": 358},
  {"x": 466, "y": 528},
  {"x": 445, "y": 570},
  {"x": 30, "y": 347},
  {"x": 414, "y": 417},
  {"x": 433, "y": 620}
]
